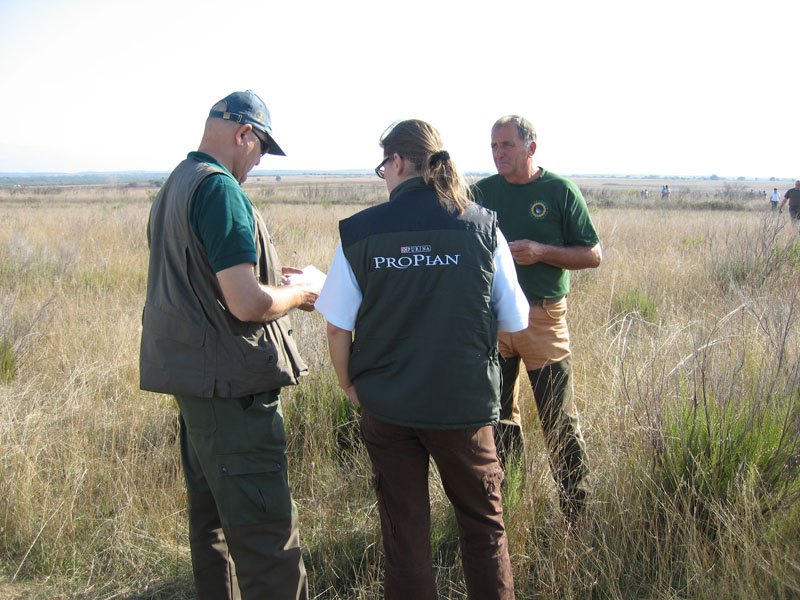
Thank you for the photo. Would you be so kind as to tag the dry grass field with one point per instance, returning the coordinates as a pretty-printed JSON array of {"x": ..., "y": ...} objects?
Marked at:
[{"x": 685, "y": 342}]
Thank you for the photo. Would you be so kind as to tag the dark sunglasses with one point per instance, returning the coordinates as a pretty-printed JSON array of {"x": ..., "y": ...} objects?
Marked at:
[
  {"x": 264, "y": 143},
  {"x": 380, "y": 168}
]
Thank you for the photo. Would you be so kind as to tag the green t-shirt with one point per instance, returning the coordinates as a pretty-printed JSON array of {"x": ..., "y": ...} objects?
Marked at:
[
  {"x": 550, "y": 210},
  {"x": 222, "y": 217}
]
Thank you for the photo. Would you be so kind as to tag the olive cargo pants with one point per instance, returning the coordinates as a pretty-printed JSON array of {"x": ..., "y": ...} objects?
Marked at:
[{"x": 242, "y": 521}]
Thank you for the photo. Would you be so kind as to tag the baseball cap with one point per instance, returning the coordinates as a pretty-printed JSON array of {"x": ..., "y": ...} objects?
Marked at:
[{"x": 247, "y": 107}]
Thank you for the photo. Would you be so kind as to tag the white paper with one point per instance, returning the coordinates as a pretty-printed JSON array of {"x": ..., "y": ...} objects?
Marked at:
[{"x": 310, "y": 274}]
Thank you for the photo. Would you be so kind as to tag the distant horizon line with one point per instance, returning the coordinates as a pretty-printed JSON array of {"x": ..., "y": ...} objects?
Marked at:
[{"x": 140, "y": 174}]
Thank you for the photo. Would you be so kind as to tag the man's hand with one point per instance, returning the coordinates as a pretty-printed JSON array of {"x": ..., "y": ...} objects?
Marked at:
[
  {"x": 310, "y": 290},
  {"x": 310, "y": 294},
  {"x": 249, "y": 300},
  {"x": 526, "y": 252},
  {"x": 287, "y": 272}
]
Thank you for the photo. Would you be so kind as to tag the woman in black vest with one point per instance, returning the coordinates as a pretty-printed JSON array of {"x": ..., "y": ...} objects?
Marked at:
[{"x": 425, "y": 281}]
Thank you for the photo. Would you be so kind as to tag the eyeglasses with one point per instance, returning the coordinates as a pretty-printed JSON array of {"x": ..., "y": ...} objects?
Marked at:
[
  {"x": 379, "y": 170},
  {"x": 263, "y": 142}
]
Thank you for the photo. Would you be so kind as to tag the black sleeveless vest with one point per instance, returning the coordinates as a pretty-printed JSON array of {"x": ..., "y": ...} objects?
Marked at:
[{"x": 425, "y": 347}]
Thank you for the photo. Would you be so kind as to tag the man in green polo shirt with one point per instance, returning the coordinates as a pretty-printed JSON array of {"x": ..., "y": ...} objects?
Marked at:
[
  {"x": 545, "y": 219},
  {"x": 215, "y": 335}
]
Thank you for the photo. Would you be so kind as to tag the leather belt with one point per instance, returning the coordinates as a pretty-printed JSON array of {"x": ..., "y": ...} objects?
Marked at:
[{"x": 545, "y": 301}]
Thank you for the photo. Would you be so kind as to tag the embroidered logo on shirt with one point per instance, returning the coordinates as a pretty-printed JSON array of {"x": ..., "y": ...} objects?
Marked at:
[{"x": 538, "y": 210}]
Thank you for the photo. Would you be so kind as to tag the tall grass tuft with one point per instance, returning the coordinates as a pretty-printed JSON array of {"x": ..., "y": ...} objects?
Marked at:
[
  {"x": 750, "y": 261},
  {"x": 637, "y": 302},
  {"x": 8, "y": 361}
]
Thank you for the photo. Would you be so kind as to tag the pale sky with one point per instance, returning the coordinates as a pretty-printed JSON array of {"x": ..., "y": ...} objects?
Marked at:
[{"x": 685, "y": 87}]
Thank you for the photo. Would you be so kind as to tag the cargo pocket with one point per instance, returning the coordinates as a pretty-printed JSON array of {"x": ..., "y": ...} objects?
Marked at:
[
  {"x": 492, "y": 482},
  {"x": 252, "y": 489}
]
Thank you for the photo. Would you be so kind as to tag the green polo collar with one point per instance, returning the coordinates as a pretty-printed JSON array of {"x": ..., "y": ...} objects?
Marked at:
[{"x": 207, "y": 158}]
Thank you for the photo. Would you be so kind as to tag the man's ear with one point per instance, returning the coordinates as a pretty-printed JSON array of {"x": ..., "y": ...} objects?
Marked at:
[
  {"x": 532, "y": 149},
  {"x": 241, "y": 134}
]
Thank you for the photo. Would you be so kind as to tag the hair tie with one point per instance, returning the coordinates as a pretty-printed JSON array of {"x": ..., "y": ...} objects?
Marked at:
[{"x": 437, "y": 157}]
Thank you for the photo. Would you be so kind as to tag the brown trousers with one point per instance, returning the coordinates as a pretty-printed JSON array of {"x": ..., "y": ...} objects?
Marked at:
[{"x": 471, "y": 476}]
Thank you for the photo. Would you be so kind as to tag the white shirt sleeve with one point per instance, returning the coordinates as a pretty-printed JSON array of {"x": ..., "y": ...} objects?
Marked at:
[
  {"x": 340, "y": 297},
  {"x": 508, "y": 301}
]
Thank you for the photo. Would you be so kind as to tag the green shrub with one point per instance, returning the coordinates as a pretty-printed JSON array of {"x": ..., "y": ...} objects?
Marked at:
[
  {"x": 713, "y": 452},
  {"x": 741, "y": 271},
  {"x": 788, "y": 257},
  {"x": 636, "y": 301},
  {"x": 693, "y": 242}
]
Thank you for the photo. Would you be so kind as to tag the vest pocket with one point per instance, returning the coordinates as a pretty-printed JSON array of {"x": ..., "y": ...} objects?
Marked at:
[
  {"x": 172, "y": 327},
  {"x": 257, "y": 350},
  {"x": 174, "y": 354}
]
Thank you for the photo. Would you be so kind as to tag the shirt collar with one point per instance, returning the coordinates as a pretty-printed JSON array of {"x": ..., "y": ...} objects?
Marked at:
[
  {"x": 414, "y": 183},
  {"x": 207, "y": 158}
]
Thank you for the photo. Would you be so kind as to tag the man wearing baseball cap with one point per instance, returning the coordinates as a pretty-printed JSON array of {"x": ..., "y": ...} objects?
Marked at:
[
  {"x": 215, "y": 335},
  {"x": 247, "y": 108}
]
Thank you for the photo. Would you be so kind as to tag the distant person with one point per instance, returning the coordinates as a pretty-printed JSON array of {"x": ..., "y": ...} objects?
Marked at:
[
  {"x": 550, "y": 231},
  {"x": 792, "y": 196},
  {"x": 425, "y": 281},
  {"x": 216, "y": 336},
  {"x": 665, "y": 192},
  {"x": 775, "y": 198}
]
